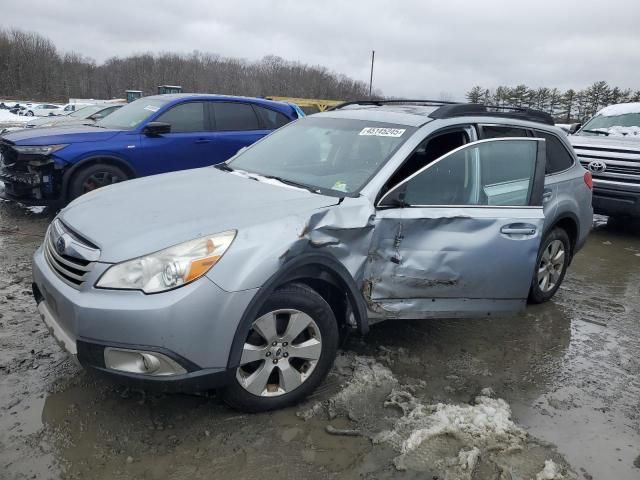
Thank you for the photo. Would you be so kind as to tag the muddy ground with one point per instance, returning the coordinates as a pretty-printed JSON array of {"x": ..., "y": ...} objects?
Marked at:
[{"x": 474, "y": 399}]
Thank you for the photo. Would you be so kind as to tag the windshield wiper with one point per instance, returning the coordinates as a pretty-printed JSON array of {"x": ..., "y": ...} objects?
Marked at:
[
  {"x": 602, "y": 132},
  {"x": 292, "y": 183},
  {"x": 223, "y": 166}
]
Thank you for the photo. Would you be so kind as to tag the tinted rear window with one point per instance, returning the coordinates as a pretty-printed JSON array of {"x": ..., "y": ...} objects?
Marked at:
[
  {"x": 558, "y": 158},
  {"x": 235, "y": 116},
  {"x": 270, "y": 118}
]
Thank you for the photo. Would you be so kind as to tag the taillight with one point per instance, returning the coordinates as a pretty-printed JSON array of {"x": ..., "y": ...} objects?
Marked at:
[{"x": 588, "y": 180}]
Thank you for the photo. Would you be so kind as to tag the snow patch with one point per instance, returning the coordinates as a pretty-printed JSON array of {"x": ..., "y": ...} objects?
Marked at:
[
  {"x": 620, "y": 109},
  {"x": 551, "y": 471},
  {"x": 368, "y": 379},
  {"x": 36, "y": 209},
  {"x": 7, "y": 117}
]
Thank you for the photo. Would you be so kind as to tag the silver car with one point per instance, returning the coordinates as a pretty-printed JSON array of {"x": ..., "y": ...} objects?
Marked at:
[{"x": 241, "y": 276}]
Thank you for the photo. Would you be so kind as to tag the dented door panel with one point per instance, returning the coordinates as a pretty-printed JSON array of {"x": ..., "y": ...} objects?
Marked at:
[{"x": 452, "y": 253}]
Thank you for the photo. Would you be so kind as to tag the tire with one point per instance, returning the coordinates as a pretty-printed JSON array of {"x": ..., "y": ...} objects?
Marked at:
[
  {"x": 93, "y": 177},
  {"x": 554, "y": 257},
  {"x": 273, "y": 376},
  {"x": 29, "y": 113}
]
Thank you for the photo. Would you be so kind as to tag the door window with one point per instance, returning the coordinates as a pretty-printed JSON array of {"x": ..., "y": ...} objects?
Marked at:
[
  {"x": 186, "y": 117},
  {"x": 270, "y": 118},
  {"x": 430, "y": 149},
  {"x": 235, "y": 116},
  {"x": 494, "y": 173}
]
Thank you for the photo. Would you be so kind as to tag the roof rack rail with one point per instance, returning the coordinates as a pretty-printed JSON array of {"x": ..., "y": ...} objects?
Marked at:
[
  {"x": 379, "y": 103},
  {"x": 479, "y": 109},
  {"x": 458, "y": 109}
]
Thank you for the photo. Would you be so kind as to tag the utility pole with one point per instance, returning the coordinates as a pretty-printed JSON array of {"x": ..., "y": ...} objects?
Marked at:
[{"x": 373, "y": 56}]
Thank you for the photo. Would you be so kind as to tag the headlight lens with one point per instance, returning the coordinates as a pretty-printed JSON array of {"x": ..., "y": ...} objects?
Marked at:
[
  {"x": 170, "y": 268},
  {"x": 38, "y": 149}
]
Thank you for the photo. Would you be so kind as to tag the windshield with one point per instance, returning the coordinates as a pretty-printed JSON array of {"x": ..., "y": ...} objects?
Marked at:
[
  {"x": 332, "y": 154},
  {"x": 625, "y": 124},
  {"x": 132, "y": 115},
  {"x": 86, "y": 112}
]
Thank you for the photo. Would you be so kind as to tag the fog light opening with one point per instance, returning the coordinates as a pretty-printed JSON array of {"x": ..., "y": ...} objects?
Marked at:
[{"x": 145, "y": 363}]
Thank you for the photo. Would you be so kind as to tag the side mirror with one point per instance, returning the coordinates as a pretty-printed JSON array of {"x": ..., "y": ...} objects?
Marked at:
[
  {"x": 96, "y": 116},
  {"x": 153, "y": 129},
  {"x": 574, "y": 128}
]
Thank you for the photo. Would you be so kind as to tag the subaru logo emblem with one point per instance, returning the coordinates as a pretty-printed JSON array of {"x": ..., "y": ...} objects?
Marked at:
[
  {"x": 61, "y": 245},
  {"x": 597, "y": 166}
]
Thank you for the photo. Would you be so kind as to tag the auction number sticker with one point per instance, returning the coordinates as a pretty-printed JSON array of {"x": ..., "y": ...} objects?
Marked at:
[{"x": 382, "y": 132}]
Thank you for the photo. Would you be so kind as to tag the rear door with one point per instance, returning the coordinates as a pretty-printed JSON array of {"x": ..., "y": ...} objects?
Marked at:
[
  {"x": 188, "y": 145},
  {"x": 460, "y": 237},
  {"x": 236, "y": 125}
]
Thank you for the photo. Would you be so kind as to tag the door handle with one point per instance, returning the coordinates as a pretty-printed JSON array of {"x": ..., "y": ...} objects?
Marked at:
[
  {"x": 546, "y": 195},
  {"x": 203, "y": 140},
  {"x": 518, "y": 230}
]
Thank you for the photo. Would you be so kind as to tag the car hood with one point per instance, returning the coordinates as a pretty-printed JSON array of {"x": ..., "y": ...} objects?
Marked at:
[
  {"x": 142, "y": 216},
  {"x": 60, "y": 121},
  {"x": 604, "y": 143},
  {"x": 59, "y": 135}
]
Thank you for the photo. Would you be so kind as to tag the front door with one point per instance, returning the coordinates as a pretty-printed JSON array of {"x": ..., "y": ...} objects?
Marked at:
[
  {"x": 190, "y": 144},
  {"x": 460, "y": 237}
]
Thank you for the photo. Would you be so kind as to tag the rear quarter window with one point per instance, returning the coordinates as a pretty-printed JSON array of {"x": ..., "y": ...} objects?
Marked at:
[
  {"x": 558, "y": 157},
  {"x": 270, "y": 118}
]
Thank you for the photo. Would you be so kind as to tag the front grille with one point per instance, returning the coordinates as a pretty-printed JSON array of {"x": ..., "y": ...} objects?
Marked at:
[
  {"x": 622, "y": 164},
  {"x": 73, "y": 270}
]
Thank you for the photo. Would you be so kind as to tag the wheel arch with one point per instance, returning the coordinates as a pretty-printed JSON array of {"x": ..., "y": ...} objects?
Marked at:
[
  {"x": 569, "y": 223},
  {"x": 320, "y": 272},
  {"x": 92, "y": 160}
]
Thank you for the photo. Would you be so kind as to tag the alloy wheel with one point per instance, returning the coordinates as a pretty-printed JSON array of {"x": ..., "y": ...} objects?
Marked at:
[
  {"x": 98, "y": 180},
  {"x": 551, "y": 266},
  {"x": 280, "y": 353}
]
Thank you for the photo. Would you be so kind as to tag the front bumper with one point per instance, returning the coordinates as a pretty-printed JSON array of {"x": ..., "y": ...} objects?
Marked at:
[
  {"x": 616, "y": 198},
  {"x": 193, "y": 325}
]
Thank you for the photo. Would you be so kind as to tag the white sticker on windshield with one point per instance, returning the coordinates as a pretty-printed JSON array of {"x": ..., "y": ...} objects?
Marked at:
[
  {"x": 382, "y": 132},
  {"x": 152, "y": 108}
]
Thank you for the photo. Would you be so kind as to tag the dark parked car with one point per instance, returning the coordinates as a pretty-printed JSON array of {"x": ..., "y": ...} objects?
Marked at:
[{"x": 156, "y": 134}]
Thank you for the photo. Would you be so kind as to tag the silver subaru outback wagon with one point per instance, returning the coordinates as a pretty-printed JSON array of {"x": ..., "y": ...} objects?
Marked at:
[{"x": 241, "y": 276}]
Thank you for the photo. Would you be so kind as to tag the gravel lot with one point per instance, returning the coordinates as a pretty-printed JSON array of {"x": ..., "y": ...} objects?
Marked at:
[{"x": 569, "y": 370}]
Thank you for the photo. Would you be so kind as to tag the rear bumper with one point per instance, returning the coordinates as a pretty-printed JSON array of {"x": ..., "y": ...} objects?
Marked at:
[
  {"x": 193, "y": 326},
  {"x": 616, "y": 198}
]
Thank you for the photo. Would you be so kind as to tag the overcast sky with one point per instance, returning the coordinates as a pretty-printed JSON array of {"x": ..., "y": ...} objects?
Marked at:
[{"x": 423, "y": 48}]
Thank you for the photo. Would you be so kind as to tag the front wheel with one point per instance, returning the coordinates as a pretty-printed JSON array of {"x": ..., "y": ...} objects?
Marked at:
[
  {"x": 551, "y": 266},
  {"x": 94, "y": 176},
  {"x": 29, "y": 113},
  {"x": 288, "y": 351}
]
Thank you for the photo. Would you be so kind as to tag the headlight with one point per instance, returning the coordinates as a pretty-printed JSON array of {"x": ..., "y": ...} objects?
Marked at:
[
  {"x": 38, "y": 150},
  {"x": 170, "y": 268}
]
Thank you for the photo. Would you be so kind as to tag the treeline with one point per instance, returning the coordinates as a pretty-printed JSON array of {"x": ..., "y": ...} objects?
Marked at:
[
  {"x": 565, "y": 106},
  {"x": 32, "y": 68}
]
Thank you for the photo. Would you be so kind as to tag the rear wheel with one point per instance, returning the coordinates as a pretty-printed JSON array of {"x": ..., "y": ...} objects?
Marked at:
[
  {"x": 551, "y": 267},
  {"x": 93, "y": 177},
  {"x": 287, "y": 353}
]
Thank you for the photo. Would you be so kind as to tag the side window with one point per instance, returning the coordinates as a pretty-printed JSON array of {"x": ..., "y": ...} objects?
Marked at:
[
  {"x": 502, "y": 131},
  {"x": 186, "y": 117},
  {"x": 430, "y": 149},
  {"x": 558, "y": 158},
  {"x": 270, "y": 118},
  {"x": 496, "y": 173},
  {"x": 235, "y": 116}
]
